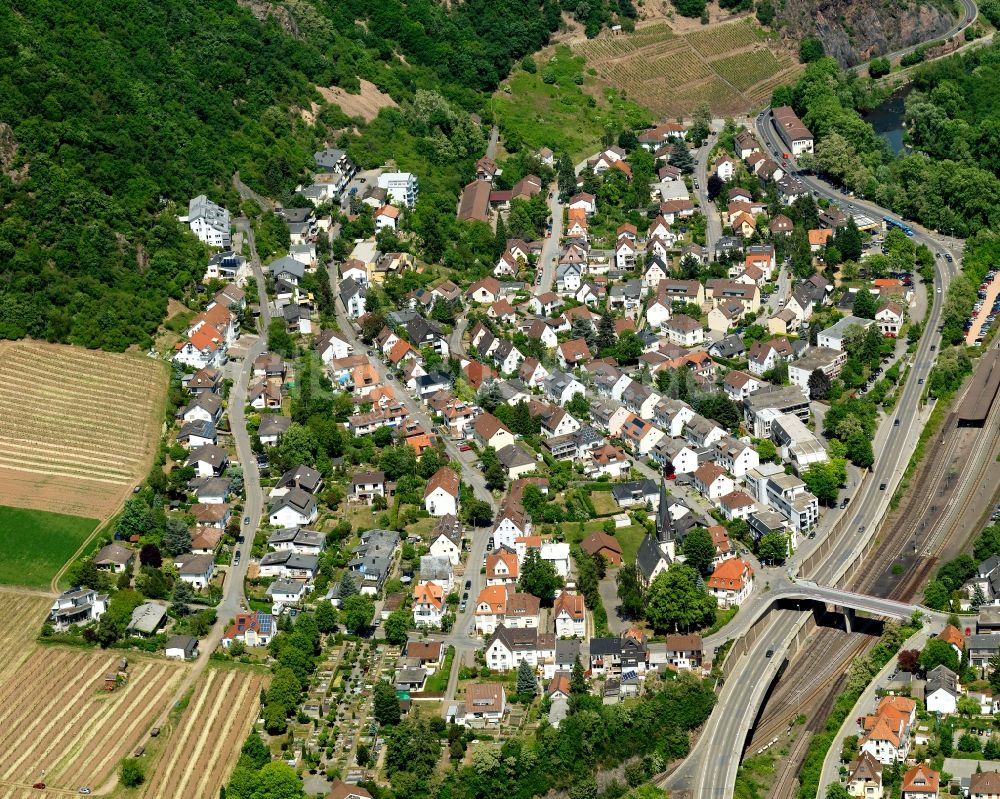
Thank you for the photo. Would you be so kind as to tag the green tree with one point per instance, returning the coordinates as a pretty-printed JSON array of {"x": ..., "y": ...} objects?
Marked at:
[
  {"x": 676, "y": 600},
  {"x": 357, "y": 612},
  {"x": 859, "y": 450},
  {"x": 773, "y": 547},
  {"x": 131, "y": 772},
  {"x": 136, "y": 518},
  {"x": 397, "y": 626},
  {"x": 810, "y": 49},
  {"x": 182, "y": 595},
  {"x": 699, "y": 550},
  {"x": 606, "y": 335},
  {"x": 938, "y": 653},
  {"x": 630, "y": 591},
  {"x": 578, "y": 679},
  {"x": 819, "y": 385},
  {"x": 865, "y": 304},
  {"x": 821, "y": 478},
  {"x": 837, "y": 791},
  {"x": 527, "y": 684},
  {"x": 176, "y": 536},
  {"x": 937, "y": 595},
  {"x": 278, "y": 338},
  {"x": 326, "y": 616},
  {"x": 539, "y": 577},
  {"x": 680, "y": 157},
  {"x": 256, "y": 751},
  {"x": 386, "y": 704},
  {"x": 878, "y": 67}
]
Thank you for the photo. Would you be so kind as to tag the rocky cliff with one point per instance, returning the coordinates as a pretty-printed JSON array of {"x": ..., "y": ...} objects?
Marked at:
[{"x": 857, "y": 30}]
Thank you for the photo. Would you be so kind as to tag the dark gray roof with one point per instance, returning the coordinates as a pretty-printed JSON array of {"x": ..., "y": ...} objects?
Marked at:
[
  {"x": 351, "y": 287},
  {"x": 648, "y": 556},
  {"x": 605, "y": 646}
]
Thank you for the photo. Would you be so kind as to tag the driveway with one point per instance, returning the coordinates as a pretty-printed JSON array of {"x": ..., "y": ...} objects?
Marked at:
[{"x": 609, "y": 598}]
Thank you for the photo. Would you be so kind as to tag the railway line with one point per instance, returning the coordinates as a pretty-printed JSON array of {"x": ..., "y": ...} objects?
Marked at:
[
  {"x": 789, "y": 699},
  {"x": 918, "y": 535}
]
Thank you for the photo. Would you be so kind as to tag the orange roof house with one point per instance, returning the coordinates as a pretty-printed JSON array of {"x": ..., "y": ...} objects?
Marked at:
[
  {"x": 731, "y": 575},
  {"x": 818, "y": 237}
]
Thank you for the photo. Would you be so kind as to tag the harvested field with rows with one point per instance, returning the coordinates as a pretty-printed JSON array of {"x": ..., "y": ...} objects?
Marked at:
[
  {"x": 733, "y": 66},
  {"x": 56, "y": 716},
  {"x": 80, "y": 426},
  {"x": 205, "y": 745}
]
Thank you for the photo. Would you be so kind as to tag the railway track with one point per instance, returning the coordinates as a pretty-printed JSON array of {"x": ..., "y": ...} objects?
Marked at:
[
  {"x": 927, "y": 524},
  {"x": 788, "y": 702}
]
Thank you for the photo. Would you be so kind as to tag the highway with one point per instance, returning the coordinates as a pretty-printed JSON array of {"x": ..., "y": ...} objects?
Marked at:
[{"x": 709, "y": 772}]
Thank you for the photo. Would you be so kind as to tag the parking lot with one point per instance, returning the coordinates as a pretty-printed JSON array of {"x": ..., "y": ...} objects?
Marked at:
[{"x": 984, "y": 311}]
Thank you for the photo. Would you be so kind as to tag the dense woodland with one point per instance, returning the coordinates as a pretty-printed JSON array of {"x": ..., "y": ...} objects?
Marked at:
[
  {"x": 951, "y": 179},
  {"x": 112, "y": 115}
]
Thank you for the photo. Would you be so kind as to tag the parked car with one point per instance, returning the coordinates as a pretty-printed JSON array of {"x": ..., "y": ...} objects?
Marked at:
[{"x": 246, "y": 520}]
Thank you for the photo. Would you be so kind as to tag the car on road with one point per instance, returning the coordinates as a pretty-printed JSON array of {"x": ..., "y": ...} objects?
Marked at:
[
  {"x": 769, "y": 653},
  {"x": 84, "y": 791},
  {"x": 236, "y": 558},
  {"x": 812, "y": 534},
  {"x": 881, "y": 487},
  {"x": 241, "y": 538},
  {"x": 949, "y": 259},
  {"x": 895, "y": 422},
  {"x": 464, "y": 448},
  {"x": 465, "y": 596},
  {"x": 246, "y": 520},
  {"x": 920, "y": 382},
  {"x": 468, "y": 584},
  {"x": 461, "y": 607},
  {"x": 844, "y": 501},
  {"x": 861, "y": 529}
]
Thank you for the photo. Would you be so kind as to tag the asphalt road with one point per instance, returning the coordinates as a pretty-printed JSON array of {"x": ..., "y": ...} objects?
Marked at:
[
  {"x": 710, "y": 769},
  {"x": 713, "y": 229},
  {"x": 550, "y": 246},
  {"x": 469, "y": 473}
]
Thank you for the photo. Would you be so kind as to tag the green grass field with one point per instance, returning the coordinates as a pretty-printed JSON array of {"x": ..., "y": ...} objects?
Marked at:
[{"x": 34, "y": 544}]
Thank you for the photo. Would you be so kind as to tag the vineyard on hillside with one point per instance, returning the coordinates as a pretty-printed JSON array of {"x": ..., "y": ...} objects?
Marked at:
[
  {"x": 732, "y": 66},
  {"x": 79, "y": 427}
]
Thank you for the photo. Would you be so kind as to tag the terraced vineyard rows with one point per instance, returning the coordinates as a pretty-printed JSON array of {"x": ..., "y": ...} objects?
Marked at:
[
  {"x": 205, "y": 744},
  {"x": 75, "y": 415},
  {"x": 747, "y": 69},
  {"x": 730, "y": 66},
  {"x": 723, "y": 39}
]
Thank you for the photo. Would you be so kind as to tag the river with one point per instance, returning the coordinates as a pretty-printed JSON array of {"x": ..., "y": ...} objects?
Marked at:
[{"x": 887, "y": 119}]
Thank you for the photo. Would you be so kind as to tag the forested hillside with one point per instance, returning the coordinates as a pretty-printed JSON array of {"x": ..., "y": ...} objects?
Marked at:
[
  {"x": 951, "y": 180},
  {"x": 113, "y": 114}
]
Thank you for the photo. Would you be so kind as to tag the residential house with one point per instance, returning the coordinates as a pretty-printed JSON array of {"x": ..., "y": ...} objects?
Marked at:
[
  {"x": 208, "y": 460},
  {"x": 353, "y": 294},
  {"x": 731, "y": 582},
  {"x": 922, "y": 782},
  {"x": 942, "y": 691},
  {"x": 252, "y": 629},
  {"x": 561, "y": 387},
  {"x": 484, "y": 706},
  {"x": 507, "y": 647},
  {"x": 684, "y": 331},
  {"x": 833, "y": 336},
  {"x": 365, "y": 486},
  {"x": 441, "y": 493},
  {"x": 502, "y": 566},
  {"x": 569, "y": 615},
  {"x": 711, "y": 480},
  {"x": 182, "y": 647},
  {"x": 77, "y": 606},
  {"x": 488, "y": 431},
  {"x": 684, "y": 651},
  {"x": 428, "y": 605},
  {"x": 373, "y": 558},
  {"x": 984, "y": 785},
  {"x": 739, "y": 385},
  {"x": 822, "y": 359},
  {"x": 605, "y": 545},
  {"x": 446, "y": 539},
  {"x": 114, "y": 557},
  {"x": 197, "y": 570},
  {"x": 765, "y": 355},
  {"x": 889, "y": 318},
  {"x": 864, "y": 777},
  {"x": 290, "y": 565},
  {"x": 294, "y": 509},
  {"x": 209, "y": 222}
]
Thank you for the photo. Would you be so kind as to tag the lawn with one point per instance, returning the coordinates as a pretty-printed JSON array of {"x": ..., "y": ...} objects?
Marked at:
[
  {"x": 629, "y": 537},
  {"x": 561, "y": 115},
  {"x": 35, "y": 544}
]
